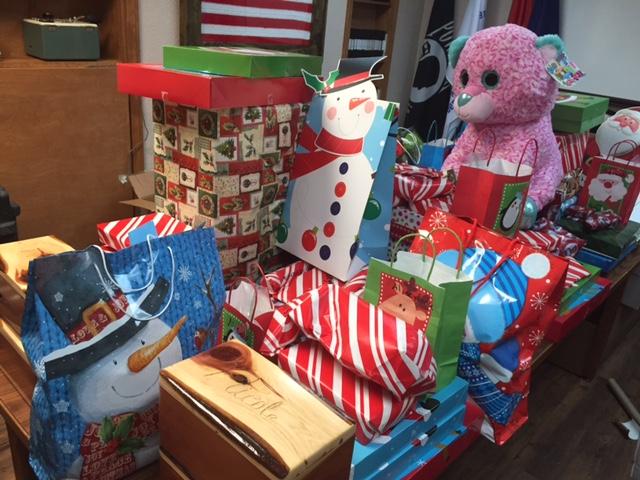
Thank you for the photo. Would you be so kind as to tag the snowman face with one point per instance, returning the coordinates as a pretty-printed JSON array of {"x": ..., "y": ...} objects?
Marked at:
[
  {"x": 349, "y": 113},
  {"x": 109, "y": 388}
]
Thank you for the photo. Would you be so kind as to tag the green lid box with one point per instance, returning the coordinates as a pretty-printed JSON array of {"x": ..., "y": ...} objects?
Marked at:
[
  {"x": 240, "y": 62},
  {"x": 611, "y": 242},
  {"x": 577, "y": 113}
]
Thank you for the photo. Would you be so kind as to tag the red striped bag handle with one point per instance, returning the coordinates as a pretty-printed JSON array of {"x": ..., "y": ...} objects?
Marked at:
[
  {"x": 493, "y": 144},
  {"x": 524, "y": 150}
]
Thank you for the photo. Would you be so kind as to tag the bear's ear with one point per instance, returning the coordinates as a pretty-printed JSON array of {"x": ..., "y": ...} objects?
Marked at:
[
  {"x": 455, "y": 48},
  {"x": 550, "y": 46}
]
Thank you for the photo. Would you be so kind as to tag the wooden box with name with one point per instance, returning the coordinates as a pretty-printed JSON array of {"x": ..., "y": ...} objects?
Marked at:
[{"x": 231, "y": 414}]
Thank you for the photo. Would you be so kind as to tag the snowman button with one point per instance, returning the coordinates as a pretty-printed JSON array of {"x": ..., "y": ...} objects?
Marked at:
[
  {"x": 335, "y": 208},
  {"x": 340, "y": 189},
  {"x": 344, "y": 168}
]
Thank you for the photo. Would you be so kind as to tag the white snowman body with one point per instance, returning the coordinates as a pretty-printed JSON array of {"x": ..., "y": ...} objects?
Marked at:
[
  {"x": 108, "y": 388},
  {"x": 327, "y": 201}
]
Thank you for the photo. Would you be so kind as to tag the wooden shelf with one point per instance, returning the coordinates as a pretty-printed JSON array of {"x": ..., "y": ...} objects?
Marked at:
[
  {"x": 377, "y": 3},
  {"x": 36, "y": 63}
]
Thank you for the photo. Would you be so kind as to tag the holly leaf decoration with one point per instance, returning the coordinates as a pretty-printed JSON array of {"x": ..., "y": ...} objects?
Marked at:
[
  {"x": 230, "y": 127},
  {"x": 106, "y": 430},
  {"x": 130, "y": 445},
  {"x": 123, "y": 429}
]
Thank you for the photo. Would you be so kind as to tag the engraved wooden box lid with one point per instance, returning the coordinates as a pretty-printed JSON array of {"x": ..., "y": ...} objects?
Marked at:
[{"x": 243, "y": 399}]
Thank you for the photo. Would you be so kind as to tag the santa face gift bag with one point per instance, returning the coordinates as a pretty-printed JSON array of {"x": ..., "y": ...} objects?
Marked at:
[
  {"x": 493, "y": 190},
  {"x": 427, "y": 294},
  {"x": 611, "y": 183},
  {"x": 98, "y": 328},
  {"x": 338, "y": 206}
]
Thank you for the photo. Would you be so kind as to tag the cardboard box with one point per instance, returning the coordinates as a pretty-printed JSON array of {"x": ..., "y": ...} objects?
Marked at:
[
  {"x": 233, "y": 412},
  {"x": 578, "y": 113},
  {"x": 240, "y": 62},
  {"x": 142, "y": 185}
]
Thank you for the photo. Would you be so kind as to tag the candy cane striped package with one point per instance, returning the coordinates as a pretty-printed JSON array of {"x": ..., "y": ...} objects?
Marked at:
[
  {"x": 373, "y": 409},
  {"x": 414, "y": 186},
  {"x": 362, "y": 337},
  {"x": 115, "y": 234}
]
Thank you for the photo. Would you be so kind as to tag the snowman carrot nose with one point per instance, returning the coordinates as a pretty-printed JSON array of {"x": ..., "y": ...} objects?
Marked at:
[
  {"x": 142, "y": 357},
  {"x": 354, "y": 102}
]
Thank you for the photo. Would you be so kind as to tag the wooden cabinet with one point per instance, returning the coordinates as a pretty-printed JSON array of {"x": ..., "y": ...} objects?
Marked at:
[{"x": 68, "y": 133}]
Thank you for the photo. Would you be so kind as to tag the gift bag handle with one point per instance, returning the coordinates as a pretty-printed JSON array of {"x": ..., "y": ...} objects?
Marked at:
[
  {"x": 460, "y": 248},
  {"x": 433, "y": 128},
  {"x": 414, "y": 137},
  {"x": 451, "y": 131},
  {"x": 427, "y": 240},
  {"x": 236, "y": 283},
  {"x": 151, "y": 271},
  {"x": 524, "y": 150},
  {"x": 503, "y": 259},
  {"x": 493, "y": 144},
  {"x": 613, "y": 151}
]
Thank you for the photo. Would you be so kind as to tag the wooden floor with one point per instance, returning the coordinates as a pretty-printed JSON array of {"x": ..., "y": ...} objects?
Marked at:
[{"x": 570, "y": 434}]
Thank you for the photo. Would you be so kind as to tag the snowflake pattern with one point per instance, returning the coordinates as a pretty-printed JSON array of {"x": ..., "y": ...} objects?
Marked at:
[
  {"x": 176, "y": 296},
  {"x": 535, "y": 337},
  {"x": 61, "y": 406},
  {"x": 184, "y": 273},
  {"x": 438, "y": 219},
  {"x": 36, "y": 426},
  {"x": 197, "y": 304},
  {"x": 66, "y": 448},
  {"x": 58, "y": 297},
  {"x": 539, "y": 300}
]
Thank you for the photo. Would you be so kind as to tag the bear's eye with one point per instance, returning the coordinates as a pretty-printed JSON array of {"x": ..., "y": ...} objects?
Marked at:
[
  {"x": 490, "y": 79},
  {"x": 464, "y": 78}
]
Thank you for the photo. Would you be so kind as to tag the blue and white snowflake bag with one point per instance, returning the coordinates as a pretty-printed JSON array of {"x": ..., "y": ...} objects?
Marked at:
[{"x": 98, "y": 328}]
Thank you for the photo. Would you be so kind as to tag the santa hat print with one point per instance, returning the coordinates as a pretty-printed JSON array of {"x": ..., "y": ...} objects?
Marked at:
[{"x": 350, "y": 72}]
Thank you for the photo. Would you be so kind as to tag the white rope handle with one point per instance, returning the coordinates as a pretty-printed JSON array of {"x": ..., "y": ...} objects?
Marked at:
[{"x": 112, "y": 280}]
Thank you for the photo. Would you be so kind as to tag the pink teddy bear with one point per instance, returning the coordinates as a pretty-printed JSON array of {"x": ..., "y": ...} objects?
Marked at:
[{"x": 500, "y": 83}]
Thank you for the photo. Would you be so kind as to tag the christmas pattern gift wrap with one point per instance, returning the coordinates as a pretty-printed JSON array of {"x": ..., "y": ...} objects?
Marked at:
[
  {"x": 115, "y": 234},
  {"x": 227, "y": 169}
]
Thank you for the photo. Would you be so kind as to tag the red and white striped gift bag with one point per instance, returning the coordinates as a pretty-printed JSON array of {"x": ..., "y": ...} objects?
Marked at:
[
  {"x": 362, "y": 337},
  {"x": 372, "y": 408},
  {"x": 291, "y": 281},
  {"x": 115, "y": 234}
]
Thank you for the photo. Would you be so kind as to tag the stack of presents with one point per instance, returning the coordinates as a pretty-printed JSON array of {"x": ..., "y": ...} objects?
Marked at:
[{"x": 308, "y": 297}]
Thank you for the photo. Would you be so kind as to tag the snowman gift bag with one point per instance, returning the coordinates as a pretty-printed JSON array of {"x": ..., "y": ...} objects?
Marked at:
[
  {"x": 611, "y": 183},
  {"x": 493, "y": 190},
  {"x": 98, "y": 328},
  {"x": 338, "y": 208},
  {"x": 425, "y": 293}
]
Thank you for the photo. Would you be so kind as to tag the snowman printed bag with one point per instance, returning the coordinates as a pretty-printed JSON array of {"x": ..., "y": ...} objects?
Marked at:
[
  {"x": 337, "y": 213},
  {"x": 98, "y": 328}
]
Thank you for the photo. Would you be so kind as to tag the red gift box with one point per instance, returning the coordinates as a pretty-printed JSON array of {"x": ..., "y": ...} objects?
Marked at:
[
  {"x": 208, "y": 91},
  {"x": 115, "y": 234}
]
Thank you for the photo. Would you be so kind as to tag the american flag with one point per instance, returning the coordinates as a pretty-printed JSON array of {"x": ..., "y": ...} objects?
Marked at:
[{"x": 269, "y": 22}]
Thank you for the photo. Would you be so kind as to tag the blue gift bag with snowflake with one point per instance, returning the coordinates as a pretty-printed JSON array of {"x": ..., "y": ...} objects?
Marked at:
[{"x": 98, "y": 328}]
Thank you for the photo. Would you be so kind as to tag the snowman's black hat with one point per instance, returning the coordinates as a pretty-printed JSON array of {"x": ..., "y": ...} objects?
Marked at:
[
  {"x": 350, "y": 72},
  {"x": 89, "y": 312}
]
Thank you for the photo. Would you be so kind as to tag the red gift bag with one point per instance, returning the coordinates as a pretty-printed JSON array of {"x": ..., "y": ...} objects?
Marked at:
[
  {"x": 611, "y": 183},
  {"x": 516, "y": 292},
  {"x": 493, "y": 190}
]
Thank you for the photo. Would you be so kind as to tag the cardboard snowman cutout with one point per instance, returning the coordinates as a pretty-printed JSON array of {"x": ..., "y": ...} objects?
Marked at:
[
  {"x": 112, "y": 367},
  {"x": 333, "y": 173}
]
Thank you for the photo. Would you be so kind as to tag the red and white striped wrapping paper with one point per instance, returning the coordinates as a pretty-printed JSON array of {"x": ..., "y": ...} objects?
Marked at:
[
  {"x": 362, "y": 337},
  {"x": 575, "y": 272},
  {"x": 372, "y": 408},
  {"x": 573, "y": 148},
  {"x": 115, "y": 234},
  {"x": 415, "y": 186},
  {"x": 269, "y": 22}
]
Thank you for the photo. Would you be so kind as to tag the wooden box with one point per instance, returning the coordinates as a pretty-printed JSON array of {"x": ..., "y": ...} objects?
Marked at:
[{"x": 231, "y": 414}]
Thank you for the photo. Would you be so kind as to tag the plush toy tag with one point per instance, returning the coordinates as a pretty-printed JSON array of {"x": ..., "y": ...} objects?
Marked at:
[{"x": 564, "y": 71}]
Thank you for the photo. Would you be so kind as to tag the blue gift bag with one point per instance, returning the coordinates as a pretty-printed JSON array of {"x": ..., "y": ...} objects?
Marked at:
[
  {"x": 435, "y": 150},
  {"x": 98, "y": 328}
]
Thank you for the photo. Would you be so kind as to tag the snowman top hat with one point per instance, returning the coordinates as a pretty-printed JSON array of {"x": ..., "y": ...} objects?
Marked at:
[
  {"x": 92, "y": 319},
  {"x": 350, "y": 72}
]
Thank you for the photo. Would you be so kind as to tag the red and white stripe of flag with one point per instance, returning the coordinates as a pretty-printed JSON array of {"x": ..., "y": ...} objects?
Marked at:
[
  {"x": 272, "y": 22},
  {"x": 373, "y": 409},
  {"x": 115, "y": 234}
]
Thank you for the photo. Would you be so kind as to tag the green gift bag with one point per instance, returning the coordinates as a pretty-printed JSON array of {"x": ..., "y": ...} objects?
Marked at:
[{"x": 425, "y": 293}]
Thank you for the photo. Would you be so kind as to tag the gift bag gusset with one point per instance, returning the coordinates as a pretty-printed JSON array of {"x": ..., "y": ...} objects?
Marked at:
[
  {"x": 340, "y": 191},
  {"x": 363, "y": 338},
  {"x": 611, "y": 183},
  {"x": 516, "y": 294},
  {"x": 427, "y": 294},
  {"x": 97, "y": 329},
  {"x": 494, "y": 190}
]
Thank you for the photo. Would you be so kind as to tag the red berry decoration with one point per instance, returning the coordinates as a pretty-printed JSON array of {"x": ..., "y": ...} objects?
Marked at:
[
  {"x": 309, "y": 239},
  {"x": 329, "y": 229},
  {"x": 341, "y": 189}
]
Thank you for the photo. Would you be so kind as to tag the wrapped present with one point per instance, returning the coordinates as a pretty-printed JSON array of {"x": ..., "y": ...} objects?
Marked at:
[
  {"x": 226, "y": 168},
  {"x": 370, "y": 342},
  {"x": 612, "y": 242},
  {"x": 115, "y": 234},
  {"x": 404, "y": 221},
  {"x": 551, "y": 238},
  {"x": 573, "y": 148},
  {"x": 577, "y": 113},
  {"x": 240, "y": 62},
  {"x": 593, "y": 220},
  {"x": 415, "y": 185},
  {"x": 371, "y": 407}
]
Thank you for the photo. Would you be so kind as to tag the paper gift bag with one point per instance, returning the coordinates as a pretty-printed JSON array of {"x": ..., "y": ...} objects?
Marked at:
[
  {"x": 426, "y": 294},
  {"x": 338, "y": 206},
  {"x": 98, "y": 328},
  {"x": 516, "y": 294},
  {"x": 493, "y": 190},
  {"x": 435, "y": 150},
  {"x": 247, "y": 311},
  {"x": 611, "y": 183}
]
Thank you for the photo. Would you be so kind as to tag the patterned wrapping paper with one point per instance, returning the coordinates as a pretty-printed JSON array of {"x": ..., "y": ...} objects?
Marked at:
[
  {"x": 115, "y": 234},
  {"x": 415, "y": 186},
  {"x": 552, "y": 238},
  {"x": 227, "y": 169},
  {"x": 593, "y": 220},
  {"x": 363, "y": 338},
  {"x": 573, "y": 147},
  {"x": 373, "y": 409}
]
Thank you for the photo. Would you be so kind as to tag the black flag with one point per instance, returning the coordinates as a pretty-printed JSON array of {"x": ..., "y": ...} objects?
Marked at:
[{"x": 429, "y": 99}]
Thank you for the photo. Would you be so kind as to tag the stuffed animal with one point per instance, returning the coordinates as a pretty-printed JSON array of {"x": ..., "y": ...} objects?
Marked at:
[{"x": 500, "y": 82}]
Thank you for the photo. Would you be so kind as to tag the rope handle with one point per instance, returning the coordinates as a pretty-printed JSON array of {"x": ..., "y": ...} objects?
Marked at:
[
  {"x": 493, "y": 145},
  {"x": 460, "y": 248},
  {"x": 613, "y": 151},
  {"x": 432, "y": 128},
  {"x": 415, "y": 139},
  {"x": 427, "y": 240},
  {"x": 524, "y": 150}
]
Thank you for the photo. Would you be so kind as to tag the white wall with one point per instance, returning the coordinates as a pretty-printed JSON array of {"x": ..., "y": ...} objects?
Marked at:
[{"x": 603, "y": 38}]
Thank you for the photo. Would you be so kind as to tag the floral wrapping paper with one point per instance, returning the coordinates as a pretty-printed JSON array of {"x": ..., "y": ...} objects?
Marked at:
[{"x": 227, "y": 169}]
